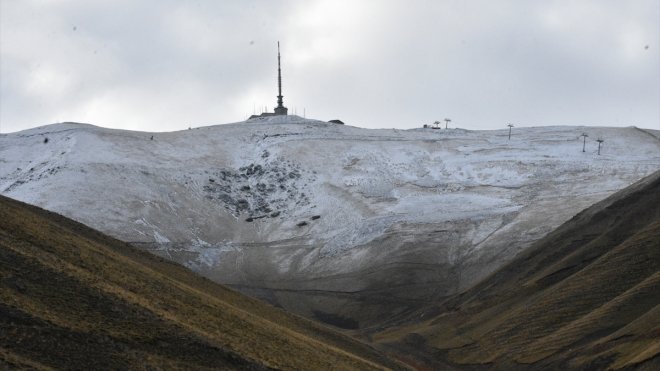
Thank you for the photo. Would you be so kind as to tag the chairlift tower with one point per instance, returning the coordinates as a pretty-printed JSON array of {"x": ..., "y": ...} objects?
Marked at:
[
  {"x": 600, "y": 141},
  {"x": 584, "y": 142},
  {"x": 447, "y": 121},
  {"x": 510, "y": 126}
]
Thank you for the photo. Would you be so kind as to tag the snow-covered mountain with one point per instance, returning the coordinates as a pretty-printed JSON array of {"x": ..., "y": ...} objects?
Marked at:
[{"x": 330, "y": 221}]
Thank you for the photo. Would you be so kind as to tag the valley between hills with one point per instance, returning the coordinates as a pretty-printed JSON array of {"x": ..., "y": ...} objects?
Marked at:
[{"x": 424, "y": 249}]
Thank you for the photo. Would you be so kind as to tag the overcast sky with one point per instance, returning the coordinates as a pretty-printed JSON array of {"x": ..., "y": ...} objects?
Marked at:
[{"x": 161, "y": 65}]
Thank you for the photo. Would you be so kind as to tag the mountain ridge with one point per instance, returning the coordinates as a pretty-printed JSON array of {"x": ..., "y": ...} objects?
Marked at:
[
  {"x": 586, "y": 296},
  {"x": 71, "y": 297},
  {"x": 325, "y": 218}
]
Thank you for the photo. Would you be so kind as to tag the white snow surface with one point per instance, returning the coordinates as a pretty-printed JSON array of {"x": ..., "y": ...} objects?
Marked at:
[{"x": 194, "y": 191}]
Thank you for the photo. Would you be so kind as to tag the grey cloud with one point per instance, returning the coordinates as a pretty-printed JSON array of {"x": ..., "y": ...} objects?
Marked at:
[{"x": 165, "y": 65}]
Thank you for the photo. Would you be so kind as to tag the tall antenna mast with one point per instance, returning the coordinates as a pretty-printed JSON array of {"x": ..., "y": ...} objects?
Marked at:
[
  {"x": 280, "y": 109},
  {"x": 279, "y": 77}
]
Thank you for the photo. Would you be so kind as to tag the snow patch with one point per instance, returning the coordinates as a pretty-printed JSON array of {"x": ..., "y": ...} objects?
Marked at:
[{"x": 159, "y": 238}]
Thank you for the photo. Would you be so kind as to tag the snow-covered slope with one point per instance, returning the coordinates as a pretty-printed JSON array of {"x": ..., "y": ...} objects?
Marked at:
[{"x": 326, "y": 217}]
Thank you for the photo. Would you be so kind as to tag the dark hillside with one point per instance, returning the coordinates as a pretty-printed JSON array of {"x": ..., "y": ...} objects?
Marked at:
[
  {"x": 73, "y": 298},
  {"x": 587, "y": 296}
]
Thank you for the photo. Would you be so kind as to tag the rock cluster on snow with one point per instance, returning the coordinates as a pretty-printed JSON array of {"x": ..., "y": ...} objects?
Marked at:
[{"x": 262, "y": 190}]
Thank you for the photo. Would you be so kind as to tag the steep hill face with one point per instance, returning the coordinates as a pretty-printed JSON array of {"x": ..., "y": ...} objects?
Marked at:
[
  {"x": 587, "y": 296},
  {"x": 337, "y": 223},
  {"x": 73, "y": 298}
]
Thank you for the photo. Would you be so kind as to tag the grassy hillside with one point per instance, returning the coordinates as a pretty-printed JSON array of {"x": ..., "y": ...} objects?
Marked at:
[
  {"x": 71, "y": 297},
  {"x": 585, "y": 297}
]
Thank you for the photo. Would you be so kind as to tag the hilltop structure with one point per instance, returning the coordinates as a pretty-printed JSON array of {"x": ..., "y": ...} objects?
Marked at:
[{"x": 280, "y": 110}]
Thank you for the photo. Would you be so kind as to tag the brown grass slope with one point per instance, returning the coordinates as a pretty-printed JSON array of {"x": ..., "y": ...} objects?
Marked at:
[
  {"x": 71, "y": 297},
  {"x": 585, "y": 297}
]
